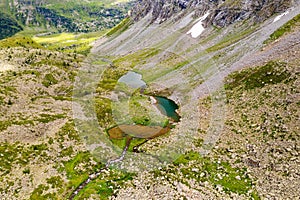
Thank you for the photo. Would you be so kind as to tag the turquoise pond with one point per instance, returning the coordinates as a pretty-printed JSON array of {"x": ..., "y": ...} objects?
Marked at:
[{"x": 166, "y": 106}]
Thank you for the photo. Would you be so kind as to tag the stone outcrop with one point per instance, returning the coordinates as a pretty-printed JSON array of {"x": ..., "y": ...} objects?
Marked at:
[
  {"x": 222, "y": 13},
  {"x": 256, "y": 10},
  {"x": 161, "y": 9}
]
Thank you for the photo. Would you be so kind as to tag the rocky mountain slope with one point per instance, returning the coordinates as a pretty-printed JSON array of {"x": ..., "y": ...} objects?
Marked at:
[
  {"x": 231, "y": 66},
  {"x": 222, "y": 12},
  {"x": 185, "y": 50}
]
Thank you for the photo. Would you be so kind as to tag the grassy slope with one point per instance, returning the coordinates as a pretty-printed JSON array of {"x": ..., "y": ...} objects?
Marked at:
[
  {"x": 19, "y": 41},
  {"x": 260, "y": 105},
  {"x": 69, "y": 42},
  {"x": 285, "y": 29},
  {"x": 51, "y": 73}
]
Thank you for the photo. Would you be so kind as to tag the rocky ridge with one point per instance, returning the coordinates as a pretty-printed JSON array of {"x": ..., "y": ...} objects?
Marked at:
[{"x": 222, "y": 13}]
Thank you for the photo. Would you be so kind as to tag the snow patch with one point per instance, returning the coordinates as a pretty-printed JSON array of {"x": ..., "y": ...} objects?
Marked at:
[
  {"x": 198, "y": 28},
  {"x": 280, "y": 16}
]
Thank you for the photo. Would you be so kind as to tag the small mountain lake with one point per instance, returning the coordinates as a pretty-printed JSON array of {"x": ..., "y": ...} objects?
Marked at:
[
  {"x": 166, "y": 106},
  {"x": 133, "y": 80}
]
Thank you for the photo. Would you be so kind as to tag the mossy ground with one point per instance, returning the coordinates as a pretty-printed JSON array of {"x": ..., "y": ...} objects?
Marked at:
[
  {"x": 51, "y": 73},
  {"x": 215, "y": 171},
  {"x": 19, "y": 41},
  {"x": 121, "y": 27},
  {"x": 48, "y": 150}
]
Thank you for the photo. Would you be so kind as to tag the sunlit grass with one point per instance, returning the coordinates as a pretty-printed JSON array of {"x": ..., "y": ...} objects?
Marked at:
[
  {"x": 30, "y": 31},
  {"x": 19, "y": 41},
  {"x": 286, "y": 28},
  {"x": 69, "y": 42},
  {"x": 57, "y": 38}
]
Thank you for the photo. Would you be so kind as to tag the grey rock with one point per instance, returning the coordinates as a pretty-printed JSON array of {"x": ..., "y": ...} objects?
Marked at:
[{"x": 221, "y": 13}]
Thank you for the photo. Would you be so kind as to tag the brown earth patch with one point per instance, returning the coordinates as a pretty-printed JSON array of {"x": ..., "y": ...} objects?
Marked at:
[{"x": 137, "y": 131}]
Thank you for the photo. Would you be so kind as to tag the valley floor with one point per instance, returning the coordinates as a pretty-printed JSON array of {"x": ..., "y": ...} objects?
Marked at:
[{"x": 238, "y": 137}]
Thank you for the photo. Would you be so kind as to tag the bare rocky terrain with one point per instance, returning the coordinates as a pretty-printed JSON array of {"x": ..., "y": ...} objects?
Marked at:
[
  {"x": 260, "y": 135},
  {"x": 35, "y": 108},
  {"x": 238, "y": 97}
]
